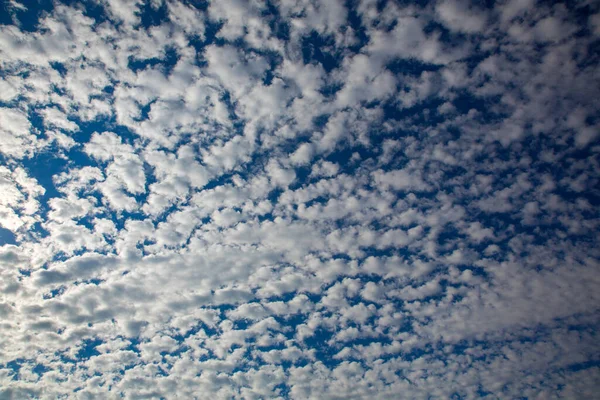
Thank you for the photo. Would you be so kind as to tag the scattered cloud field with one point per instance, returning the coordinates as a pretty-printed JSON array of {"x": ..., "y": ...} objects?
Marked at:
[{"x": 299, "y": 199}]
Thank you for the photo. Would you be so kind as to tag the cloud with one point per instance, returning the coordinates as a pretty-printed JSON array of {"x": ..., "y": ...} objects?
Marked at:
[
  {"x": 299, "y": 200},
  {"x": 461, "y": 17},
  {"x": 17, "y": 140},
  {"x": 19, "y": 200}
]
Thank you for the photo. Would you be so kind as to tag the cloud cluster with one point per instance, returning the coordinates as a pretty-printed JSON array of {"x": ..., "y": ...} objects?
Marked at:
[{"x": 299, "y": 199}]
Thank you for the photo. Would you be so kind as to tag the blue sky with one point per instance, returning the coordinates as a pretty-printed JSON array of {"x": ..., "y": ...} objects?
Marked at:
[{"x": 299, "y": 199}]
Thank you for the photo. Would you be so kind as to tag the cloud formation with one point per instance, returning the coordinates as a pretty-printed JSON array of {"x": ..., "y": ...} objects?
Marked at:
[{"x": 296, "y": 199}]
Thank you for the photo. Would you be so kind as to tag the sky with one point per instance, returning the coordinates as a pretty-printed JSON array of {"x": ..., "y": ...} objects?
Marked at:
[{"x": 299, "y": 199}]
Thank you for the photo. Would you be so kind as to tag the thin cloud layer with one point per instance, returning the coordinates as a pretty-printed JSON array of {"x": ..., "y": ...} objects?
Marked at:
[{"x": 297, "y": 199}]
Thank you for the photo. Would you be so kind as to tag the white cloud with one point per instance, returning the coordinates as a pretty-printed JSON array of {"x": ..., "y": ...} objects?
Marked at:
[
  {"x": 15, "y": 131},
  {"x": 236, "y": 71},
  {"x": 19, "y": 199},
  {"x": 402, "y": 179},
  {"x": 462, "y": 17}
]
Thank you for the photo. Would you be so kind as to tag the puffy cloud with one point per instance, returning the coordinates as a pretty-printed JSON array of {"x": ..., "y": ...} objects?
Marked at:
[
  {"x": 17, "y": 139},
  {"x": 461, "y": 17},
  {"x": 19, "y": 199}
]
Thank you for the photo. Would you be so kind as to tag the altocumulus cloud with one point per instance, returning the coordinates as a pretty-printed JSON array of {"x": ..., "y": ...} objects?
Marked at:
[{"x": 299, "y": 199}]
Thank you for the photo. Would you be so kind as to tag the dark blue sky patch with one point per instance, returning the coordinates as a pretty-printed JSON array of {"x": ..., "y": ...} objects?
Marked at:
[
  {"x": 26, "y": 17},
  {"x": 167, "y": 63},
  {"x": 316, "y": 48},
  {"x": 88, "y": 349},
  {"x": 150, "y": 15},
  {"x": 40, "y": 369},
  {"x": 7, "y": 237}
]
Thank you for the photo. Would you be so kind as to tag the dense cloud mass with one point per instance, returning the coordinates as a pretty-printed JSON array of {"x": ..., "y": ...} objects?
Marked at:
[{"x": 300, "y": 199}]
